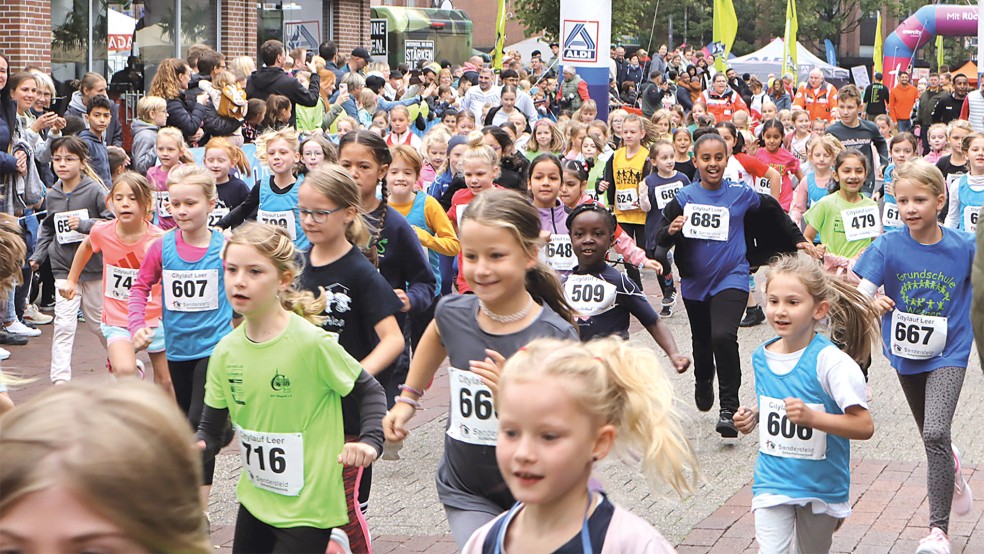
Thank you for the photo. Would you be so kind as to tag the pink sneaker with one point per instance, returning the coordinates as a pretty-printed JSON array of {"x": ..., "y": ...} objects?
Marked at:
[
  {"x": 963, "y": 496},
  {"x": 935, "y": 543}
]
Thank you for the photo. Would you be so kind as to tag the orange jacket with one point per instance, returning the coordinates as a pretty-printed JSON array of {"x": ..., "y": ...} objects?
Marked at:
[
  {"x": 722, "y": 107},
  {"x": 820, "y": 104},
  {"x": 901, "y": 101}
]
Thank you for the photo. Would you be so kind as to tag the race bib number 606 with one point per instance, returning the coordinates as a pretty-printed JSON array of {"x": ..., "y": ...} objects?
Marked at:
[{"x": 778, "y": 436}]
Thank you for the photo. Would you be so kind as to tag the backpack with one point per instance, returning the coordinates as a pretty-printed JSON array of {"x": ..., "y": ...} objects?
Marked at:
[{"x": 233, "y": 102}]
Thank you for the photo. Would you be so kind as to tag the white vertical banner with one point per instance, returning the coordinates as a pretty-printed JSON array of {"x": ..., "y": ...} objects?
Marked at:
[
  {"x": 585, "y": 41},
  {"x": 980, "y": 39}
]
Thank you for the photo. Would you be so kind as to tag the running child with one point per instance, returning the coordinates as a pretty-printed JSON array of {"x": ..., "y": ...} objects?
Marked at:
[
  {"x": 797, "y": 142},
  {"x": 706, "y": 224},
  {"x": 546, "y": 176},
  {"x": 810, "y": 403},
  {"x": 221, "y": 157},
  {"x": 586, "y": 394},
  {"x": 123, "y": 243},
  {"x": 603, "y": 296},
  {"x": 434, "y": 149},
  {"x": 500, "y": 239},
  {"x": 360, "y": 306},
  {"x": 394, "y": 245},
  {"x": 547, "y": 139},
  {"x": 293, "y": 496},
  {"x": 846, "y": 220},
  {"x": 400, "y": 128},
  {"x": 623, "y": 173},
  {"x": 656, "y": 191},
  {"x": 275, "y": 201},
  {"x": 683, "y": 162},
  {"x": 479, "y": 167},
  {"x": 592, "y": 154},
  {"x": 822, "y": 152},
  {"x": 779, "y": 159},
  {"x": 937, "y": 143},
  {"x": 954, "y": 165},
  {"x": 428, "y": 219},
  {"x": 172, "y": 151},
  {"x": 316, "y": 150},
  {"x": 75, "y": 204},
  {"x": 196, "y": 313},
  {"x": 966, "y": 195},
  {"x": 926, "y": 329},
  {"x": 901, "y": 149}
]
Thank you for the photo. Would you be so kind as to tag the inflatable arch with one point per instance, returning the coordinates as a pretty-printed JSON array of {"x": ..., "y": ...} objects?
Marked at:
[{"x": 920, "y": 28}]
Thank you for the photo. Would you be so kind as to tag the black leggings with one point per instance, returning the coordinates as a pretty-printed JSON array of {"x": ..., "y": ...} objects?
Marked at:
[
  {"x": 188, "y": 377},
  {"x": 714, "y": 327},
  {"x": 252, "y": 535},
  {"x": 638, "y": 232}
]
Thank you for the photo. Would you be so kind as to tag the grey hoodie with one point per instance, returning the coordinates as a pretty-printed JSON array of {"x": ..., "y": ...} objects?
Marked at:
[
  {"x": 88, "y": 195},
  {"x": 144, "y": 148}
]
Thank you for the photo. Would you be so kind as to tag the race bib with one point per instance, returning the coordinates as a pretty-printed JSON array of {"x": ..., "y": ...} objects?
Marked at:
[
  {"x": 162, "y": 199},
  {"x": 460, "y": 212},
  {"x": 589, "y": 295},
  {"x": 273, "y": 461},
  {"x": 626, "y": 199},
  {"x": 283, "y": 219},
  {"x": 217, "y": 214},
  {"x": 560, "y": 253},
  {"x": 706, "y": 222},
  {"x": 861, "y": 223},
  {"x": 763, "y": 185},
  {"x": 118, "y": 282},
  {"x": 970, "y": 216},
  {"x": 665, "y": 193},
  {"x": 191, "y": 291},
  {"x": 780, "y": 437},
  {"x": 473, "y": 417},
  {"x": 917, "y": 337},
  {"x": 64, "y": 234},
  {"x": 890, "y": 215}
]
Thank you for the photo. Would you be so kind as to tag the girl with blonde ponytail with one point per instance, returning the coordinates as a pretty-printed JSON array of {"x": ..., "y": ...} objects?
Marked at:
[
  {"x": 280, "y": 380},
  {"x": 516, "y": 299},
  {"x": 564, "y": 406}
]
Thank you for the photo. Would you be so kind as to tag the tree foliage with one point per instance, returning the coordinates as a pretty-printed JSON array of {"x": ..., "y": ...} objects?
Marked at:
[{"x": 544, "y": 15}]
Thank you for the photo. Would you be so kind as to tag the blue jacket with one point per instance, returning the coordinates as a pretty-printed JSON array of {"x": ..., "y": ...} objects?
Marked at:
[{"x": 98, "y": 157}]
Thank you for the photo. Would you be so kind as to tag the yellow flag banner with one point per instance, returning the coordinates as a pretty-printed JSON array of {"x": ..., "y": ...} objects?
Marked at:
[
  {"x": 790, "y": 64},
  {"x": 877, "y": 57},
  {"x": 500, "y": 36},
  {"x": 725, "y": 30},
  {"x": 939, "y": 51}
]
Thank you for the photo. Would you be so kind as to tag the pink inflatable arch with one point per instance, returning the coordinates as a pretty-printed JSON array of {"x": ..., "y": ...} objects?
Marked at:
[{"x": 920, "y": 28}]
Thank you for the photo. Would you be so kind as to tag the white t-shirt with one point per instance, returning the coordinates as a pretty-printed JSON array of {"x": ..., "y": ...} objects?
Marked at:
[{"x": 840, "y": 377}]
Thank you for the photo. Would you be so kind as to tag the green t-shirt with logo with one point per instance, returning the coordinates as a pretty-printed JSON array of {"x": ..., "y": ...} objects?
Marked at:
[
  {"x": 827, "y": 217},
  {"x": 285, "y": 400}
]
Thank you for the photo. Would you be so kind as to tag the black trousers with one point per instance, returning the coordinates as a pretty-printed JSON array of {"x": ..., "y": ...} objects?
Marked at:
[
  {"x": 188, "y": 377},
  {"x": 252, "y": 535},
  {"x": 638, "y": 232},
  {"x": 714, "y": 326}
]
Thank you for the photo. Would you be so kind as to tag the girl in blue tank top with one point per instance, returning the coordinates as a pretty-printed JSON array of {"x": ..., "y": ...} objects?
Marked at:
[
  {"x": 810, "y": 403},
  {"x": 822, "y": 151},
  {"x": 196, "y": 315},
  {"x": 966, "y": 204}
]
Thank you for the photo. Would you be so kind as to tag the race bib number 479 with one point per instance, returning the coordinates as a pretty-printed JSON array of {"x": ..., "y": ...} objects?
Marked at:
[{"x": 861, "y": 223}]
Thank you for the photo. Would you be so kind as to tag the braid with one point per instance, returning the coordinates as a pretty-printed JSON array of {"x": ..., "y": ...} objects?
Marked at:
[{"x": 383, "y": 207}]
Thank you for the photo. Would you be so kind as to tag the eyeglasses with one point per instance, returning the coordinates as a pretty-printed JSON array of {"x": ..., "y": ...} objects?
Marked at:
[
  {"x": 68, "y": 159},
  {"x": 319, "y": 216}
]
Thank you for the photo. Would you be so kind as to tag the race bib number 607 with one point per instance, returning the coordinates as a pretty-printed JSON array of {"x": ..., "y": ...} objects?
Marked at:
[{"x": 191, "y": 290}]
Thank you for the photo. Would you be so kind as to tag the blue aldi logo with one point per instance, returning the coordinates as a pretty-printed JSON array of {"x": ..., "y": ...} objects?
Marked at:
[{"x": 580, "y": 41}]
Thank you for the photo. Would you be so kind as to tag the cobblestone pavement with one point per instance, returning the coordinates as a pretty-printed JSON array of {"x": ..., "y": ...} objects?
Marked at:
[{"x": 406, "y": 516}]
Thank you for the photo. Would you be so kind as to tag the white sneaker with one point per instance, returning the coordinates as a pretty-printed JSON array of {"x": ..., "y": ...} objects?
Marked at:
[
  {"x": 4, "y": 354},
  {"x": 18, "y": 328},
  {"x": 339, "y": 543},
  {"x": 963, "y": 496},
  {"x": 936, "y": 542},
  {"x": 34, "y": 316}
]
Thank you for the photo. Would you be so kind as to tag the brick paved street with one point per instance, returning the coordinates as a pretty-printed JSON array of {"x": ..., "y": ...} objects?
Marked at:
[{"x": 888, "y": 479}]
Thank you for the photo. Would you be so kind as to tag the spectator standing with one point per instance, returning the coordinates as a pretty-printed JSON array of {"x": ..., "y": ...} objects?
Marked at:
[
  {"x": 817, "y": 97},
  {"x": 901, "y": 101},
  {"x": 273, "y": 80},
  {"x": 927, "y": 103},
  {"x": 949, "y": 106},
  {"x": 875, "y": 99},
  {"x": 973, "y": 109}
]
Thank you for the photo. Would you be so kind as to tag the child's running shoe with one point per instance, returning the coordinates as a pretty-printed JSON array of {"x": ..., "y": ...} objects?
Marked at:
[{"x": 963, "y": 496}]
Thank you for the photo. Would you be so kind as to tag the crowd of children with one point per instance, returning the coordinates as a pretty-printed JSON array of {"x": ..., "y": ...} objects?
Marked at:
[{"x": 307, "y": 308}]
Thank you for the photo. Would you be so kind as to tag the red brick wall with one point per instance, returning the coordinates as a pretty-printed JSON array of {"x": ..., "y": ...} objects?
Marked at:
[
  {"x": 238, "y": 28},
  {"x": 351, "y": 19},
  {"x": 25, "y": 32},
  {"x": 483, "y": 14}
]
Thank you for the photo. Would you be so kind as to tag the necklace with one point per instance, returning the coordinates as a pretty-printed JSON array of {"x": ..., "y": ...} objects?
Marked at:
[{"x": 509, "y": 318}]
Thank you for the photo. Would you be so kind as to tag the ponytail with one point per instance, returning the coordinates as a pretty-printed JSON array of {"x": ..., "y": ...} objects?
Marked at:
[
  {"x": 544, "y": 286},
  {"x": 622, "y": 385}
]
